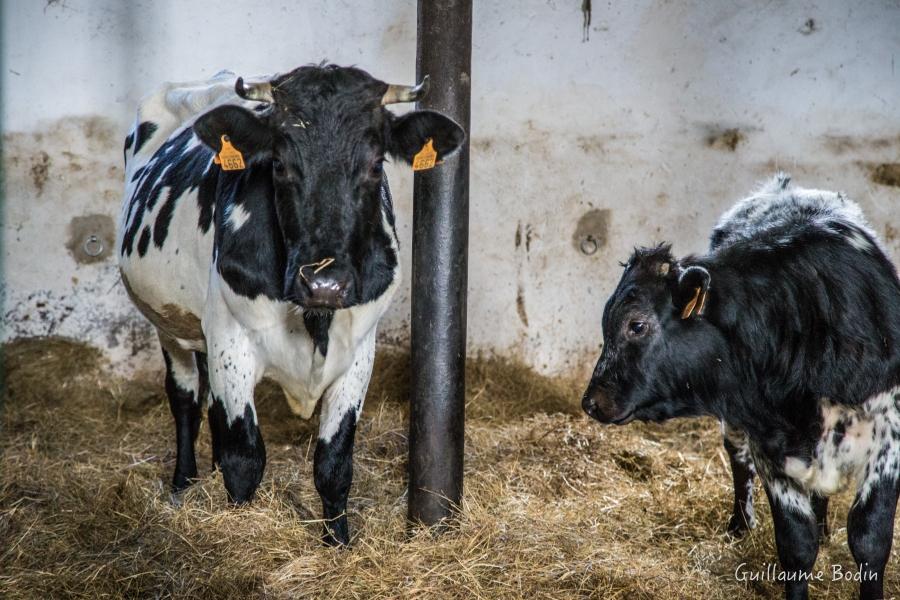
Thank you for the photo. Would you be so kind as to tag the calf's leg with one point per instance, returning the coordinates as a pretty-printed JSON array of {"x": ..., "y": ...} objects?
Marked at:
[
  {"x": 796, "y": 535},
  {"x": 743, "y": 473},
  {"x": 333, "y": 461},
  {"x": 870, "y": 531},
  {"x": 820, "y": 508},
  {"x": 183, "y": 387}
]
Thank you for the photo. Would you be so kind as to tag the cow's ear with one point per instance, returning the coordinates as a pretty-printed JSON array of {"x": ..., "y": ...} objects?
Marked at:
[
  {"x": 246, "y": 132},
  {"x": 690, "y": 292},
  {"x": 410, "y": 133}
]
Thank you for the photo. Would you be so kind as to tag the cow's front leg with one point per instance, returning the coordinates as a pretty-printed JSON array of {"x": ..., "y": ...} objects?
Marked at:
[
  {"x": 742, "y": 473},
  {"x": 333, "y": 462},
  {"x": 870, "y": 531},
  {"x": 796, "y": 535},
  {"x": 238, "y": 447},
  {"x": 184, "y": 390}
]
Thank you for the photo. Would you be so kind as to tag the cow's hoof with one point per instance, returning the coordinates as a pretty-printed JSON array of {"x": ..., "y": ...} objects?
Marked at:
[
  {"x": 738, "y": 526},
  {"x": 336, "y": 532},
  {"x": 182, "y": 481},
  {"x": 242, "y": 474}
]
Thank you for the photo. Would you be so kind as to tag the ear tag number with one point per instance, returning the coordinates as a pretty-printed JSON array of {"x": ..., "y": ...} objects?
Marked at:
[
  {"x": 426, "y": 158},
  {"x": 229, "y": 158}
]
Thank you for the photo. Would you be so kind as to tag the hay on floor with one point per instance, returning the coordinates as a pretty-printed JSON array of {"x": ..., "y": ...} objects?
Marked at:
[{"x": 556, "y": 506}]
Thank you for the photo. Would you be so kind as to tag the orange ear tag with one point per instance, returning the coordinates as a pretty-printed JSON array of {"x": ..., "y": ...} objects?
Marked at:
[
  {"x": 698, "y": 302},
  {"x": 426, "y": 158},
  {"x": 229, "y": 158}
]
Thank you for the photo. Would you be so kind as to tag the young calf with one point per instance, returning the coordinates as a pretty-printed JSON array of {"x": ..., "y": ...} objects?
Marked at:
[{"x": 788, "y": 331}]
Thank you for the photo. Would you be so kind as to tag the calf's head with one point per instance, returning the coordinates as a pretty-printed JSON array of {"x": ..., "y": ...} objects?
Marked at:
[
  {"x": 661, "y": 357},
  {"x": 324, "y": 133}
]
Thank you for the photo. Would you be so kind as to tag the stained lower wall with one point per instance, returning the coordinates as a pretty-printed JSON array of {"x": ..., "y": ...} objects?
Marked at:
[{"x": 643, "y": 128}]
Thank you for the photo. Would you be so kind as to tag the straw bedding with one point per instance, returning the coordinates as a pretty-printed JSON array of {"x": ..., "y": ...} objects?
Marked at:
[{"x": 556, "y": 506}]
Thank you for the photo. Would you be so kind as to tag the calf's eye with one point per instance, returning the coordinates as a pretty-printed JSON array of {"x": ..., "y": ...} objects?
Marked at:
[
  {"x": 278, "y": 166},
  {"x": 637, "y": 327}
]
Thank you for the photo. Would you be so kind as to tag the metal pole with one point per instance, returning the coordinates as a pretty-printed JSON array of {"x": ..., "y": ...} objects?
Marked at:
[{"x": 439, "y": 273}]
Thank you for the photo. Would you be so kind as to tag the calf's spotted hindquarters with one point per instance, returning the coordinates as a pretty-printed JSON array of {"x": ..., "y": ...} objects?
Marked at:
[
  {"x": 257, "y": 235},
  {"x": 787, "y": 331}
]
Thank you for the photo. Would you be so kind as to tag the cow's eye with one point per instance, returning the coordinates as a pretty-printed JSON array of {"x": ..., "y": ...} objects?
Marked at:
[
  {"x": 637, "y": 327},
  {"x": 278, "y": 167}
]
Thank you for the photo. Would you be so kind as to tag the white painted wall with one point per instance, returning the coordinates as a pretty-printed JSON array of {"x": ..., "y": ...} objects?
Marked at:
[{"x": 560, "y": 126}]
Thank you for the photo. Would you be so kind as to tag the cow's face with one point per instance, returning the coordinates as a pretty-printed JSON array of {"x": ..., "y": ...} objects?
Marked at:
[
  {"x": 324, "y": 134},
  {"x": 660, "y": 356}
]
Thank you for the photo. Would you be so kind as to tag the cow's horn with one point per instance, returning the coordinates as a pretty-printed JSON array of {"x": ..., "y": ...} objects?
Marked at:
[
  {"x": 260, "y": 92},
  {"x": 405, "y": 93}
]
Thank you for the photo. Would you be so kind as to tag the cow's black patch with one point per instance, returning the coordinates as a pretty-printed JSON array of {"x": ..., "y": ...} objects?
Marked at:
[
  {"x": 144, "y": 132},
  {"x": 252, "y": 259},
  {"x": 129, "y": 140},
  {"x": 138, "y": 173},
  {"x": 177, "y": 170},
  {"x": 838, "y": 432},
  {"x": 333, "y": 474},
  {"x": 239, "y": 451},
  {"x": 186, "y": 411},
  {"x": 144, "y": 241},
  {"x": 870, "y": 526},
  {"x": 317, "y": 324}
]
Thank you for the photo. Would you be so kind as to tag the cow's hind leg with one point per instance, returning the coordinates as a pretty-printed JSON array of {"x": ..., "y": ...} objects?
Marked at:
[
  {"x": 333, "y": 462},
  {"x": 184, "y": 389},
  {"x": 870, "y": 531},
  {"x": 743, "y": 473}
]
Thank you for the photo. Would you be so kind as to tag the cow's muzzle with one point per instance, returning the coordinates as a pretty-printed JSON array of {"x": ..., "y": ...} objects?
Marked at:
[
  {"x": 598, "y": 405},
  {"x": 323, "y": 286}
]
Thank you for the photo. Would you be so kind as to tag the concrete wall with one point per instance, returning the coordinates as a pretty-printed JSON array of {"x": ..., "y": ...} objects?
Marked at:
[{"x": 645, "y": 131}]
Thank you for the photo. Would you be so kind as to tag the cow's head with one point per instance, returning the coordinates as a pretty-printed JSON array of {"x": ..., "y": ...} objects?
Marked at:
[
  {"x": 324, "y": 133},
  {"x": 661, "y": 357}
]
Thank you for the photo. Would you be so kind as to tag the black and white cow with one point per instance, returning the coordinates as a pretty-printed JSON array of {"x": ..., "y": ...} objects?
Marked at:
[
  {"x": 280, "y": 267},
  {"x": 788, "y": 331}
]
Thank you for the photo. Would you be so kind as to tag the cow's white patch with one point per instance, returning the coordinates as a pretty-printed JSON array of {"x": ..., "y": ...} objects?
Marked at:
[
  {"x": 236, "y": 215},
  {"x": 857, "y": 443},
  {"x": 778, "y": 205},
  {"x": 349, "y": 391},
  {"x": 859, "y": 241},
  {"x": 789, "y": 496},
  {"x": 183, "y": 366}
]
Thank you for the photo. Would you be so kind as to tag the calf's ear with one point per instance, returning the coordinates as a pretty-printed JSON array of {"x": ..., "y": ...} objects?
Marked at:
[
  {"x": 245, "y": 131},
  {"x": 410, "y": 132},
  {"x": 690, "y": 292}
]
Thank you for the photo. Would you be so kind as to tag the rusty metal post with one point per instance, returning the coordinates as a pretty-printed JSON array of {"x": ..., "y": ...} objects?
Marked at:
[{"x": 439, "y": 273}]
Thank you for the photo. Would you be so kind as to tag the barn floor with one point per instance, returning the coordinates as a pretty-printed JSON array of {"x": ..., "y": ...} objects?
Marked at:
[{"x": 556, "y": 506}]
